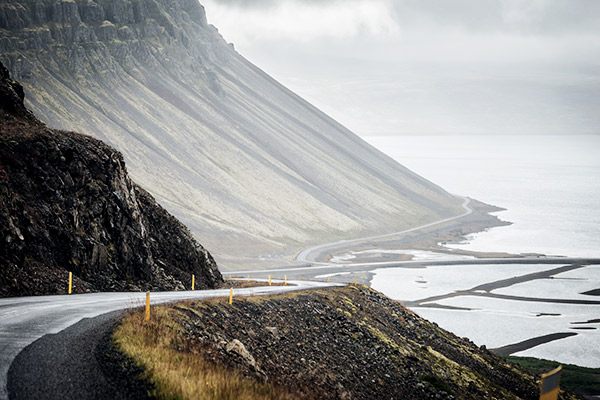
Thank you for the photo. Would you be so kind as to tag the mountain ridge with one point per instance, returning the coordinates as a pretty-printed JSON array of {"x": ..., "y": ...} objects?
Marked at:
[{"x": 249, "y": 166}]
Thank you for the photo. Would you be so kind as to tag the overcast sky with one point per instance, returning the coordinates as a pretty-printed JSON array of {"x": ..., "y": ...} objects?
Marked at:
[{"x": 385, "y": 67}]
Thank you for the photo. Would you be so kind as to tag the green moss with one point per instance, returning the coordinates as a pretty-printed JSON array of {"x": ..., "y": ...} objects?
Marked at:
[
  {"x": 386, "y": 340},
  {"x": 436, "y": 383}
]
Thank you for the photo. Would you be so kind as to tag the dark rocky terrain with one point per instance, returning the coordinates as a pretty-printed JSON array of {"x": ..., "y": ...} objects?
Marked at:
[
  {"x": 344, "y": 343},
  {"x": 67, "y": 204},
  {"x": 247, "y": 165}
]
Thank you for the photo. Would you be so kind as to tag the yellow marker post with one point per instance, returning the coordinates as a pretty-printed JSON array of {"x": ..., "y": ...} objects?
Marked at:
[
  {"x": 354, "y": 281},
  {"x": 549, "y": 386},
  {"x": 248, "y": 277},
  {"x": 285, "y": 280},
  {"x": 269, "y": 280},
  {"x": 193, "y": 281},
  {"x": 328, "y": 278},
  {"x": 300, "y": 277},
  {"x": 147, "y": 318},
  {"x": 230, "y": 296},
  {"x": 70, "y": 282}
]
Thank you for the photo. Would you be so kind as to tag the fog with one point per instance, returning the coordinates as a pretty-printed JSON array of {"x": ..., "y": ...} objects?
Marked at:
[{"x": 384, "y": 67}]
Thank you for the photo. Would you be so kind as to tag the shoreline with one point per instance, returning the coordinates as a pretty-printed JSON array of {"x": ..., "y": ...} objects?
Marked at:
[
  {"x": 476, "y": 219},
  {"x": 356, "y": 261}
]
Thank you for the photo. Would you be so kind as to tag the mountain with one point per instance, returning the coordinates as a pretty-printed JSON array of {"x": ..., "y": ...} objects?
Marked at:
[
  {"x": 248, "y": 165},
  {"x": 67, "y": 204}
]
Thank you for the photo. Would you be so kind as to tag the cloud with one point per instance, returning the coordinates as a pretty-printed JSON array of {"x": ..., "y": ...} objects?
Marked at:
[
  {"x": 509, "y": 16},
  {"x": 323, "y": 17},
  {"x": 504, "y": 31},
  {"x": 300, "y": 21},
  {"x": 437, "y": 66}
]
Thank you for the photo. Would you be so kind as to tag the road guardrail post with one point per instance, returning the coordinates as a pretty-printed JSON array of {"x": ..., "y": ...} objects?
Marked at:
[{"x": 147, "y": 318}]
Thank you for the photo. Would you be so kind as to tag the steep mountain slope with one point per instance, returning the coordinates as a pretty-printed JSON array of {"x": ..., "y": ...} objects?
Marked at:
[
  {"x": 248, "y": 165},
  {"x": 67, "y": 204}
]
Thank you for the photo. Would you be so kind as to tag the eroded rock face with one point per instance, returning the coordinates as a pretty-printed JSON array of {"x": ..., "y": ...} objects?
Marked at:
[
  {"x": 11, "y": 99},
  {"x": 89, "y": 38},
  {"x": 67, "y": 204}
]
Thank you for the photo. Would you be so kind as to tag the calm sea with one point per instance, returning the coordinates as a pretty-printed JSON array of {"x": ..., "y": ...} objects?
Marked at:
[{"x": 550, "y": 185}]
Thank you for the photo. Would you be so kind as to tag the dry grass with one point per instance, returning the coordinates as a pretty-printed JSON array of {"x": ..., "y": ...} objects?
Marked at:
[
  {"x": 240, "y": 283},
  {"x": 177, "y": 374}
]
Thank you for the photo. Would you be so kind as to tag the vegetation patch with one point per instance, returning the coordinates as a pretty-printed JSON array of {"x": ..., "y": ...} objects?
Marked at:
[
  {"x": 437, "y": 383},
  {"x": 177, "y": 371},
  {"x": 337, "y": 343},
  {"x": 581, "y": 380}
]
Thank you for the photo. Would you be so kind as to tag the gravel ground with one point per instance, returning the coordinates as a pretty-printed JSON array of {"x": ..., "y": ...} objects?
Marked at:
[{"x": 344, "y": 343}]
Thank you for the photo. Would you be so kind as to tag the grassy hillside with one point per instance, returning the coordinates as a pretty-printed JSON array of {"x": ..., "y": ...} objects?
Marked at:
[{"x": 337, "y": 343}]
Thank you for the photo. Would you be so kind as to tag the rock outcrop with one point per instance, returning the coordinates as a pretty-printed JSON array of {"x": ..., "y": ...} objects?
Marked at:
[
  {"x": 67, "y": 204},
  {"x": 249, "y": 166}
]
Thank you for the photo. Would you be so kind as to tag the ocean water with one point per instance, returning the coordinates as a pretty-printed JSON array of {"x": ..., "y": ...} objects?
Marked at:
[
  {"x": 497, "y": 322},
  {"x": 550, "y": 186},
  {"x": 411, "y": 284}
]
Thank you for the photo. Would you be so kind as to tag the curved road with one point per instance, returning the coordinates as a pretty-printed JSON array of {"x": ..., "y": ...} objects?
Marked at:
[
  {"x": 307, "y": 254},
  {"x": 23, "y": 320}
]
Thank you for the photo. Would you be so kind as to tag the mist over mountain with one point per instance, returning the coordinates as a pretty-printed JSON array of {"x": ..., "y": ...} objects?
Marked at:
[
  {"x": 247, "y": 165},
  {"x": 431, "y": 67}
]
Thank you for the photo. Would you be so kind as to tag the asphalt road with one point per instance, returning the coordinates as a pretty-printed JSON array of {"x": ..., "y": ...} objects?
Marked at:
[
  {"x": 312, "y": 254},
  {"x": 23, "y": 320},
  {"x": 47, "y": 360},
  {"x": 64, "y": 365}
]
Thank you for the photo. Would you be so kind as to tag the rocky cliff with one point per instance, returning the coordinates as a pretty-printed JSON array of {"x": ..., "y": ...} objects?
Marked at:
[
  {"x": 67, "y": 204},
  {"x": 249, "y": 166}
]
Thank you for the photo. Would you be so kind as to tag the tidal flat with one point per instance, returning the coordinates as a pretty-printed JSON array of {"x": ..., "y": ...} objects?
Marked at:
[{"x": 509, "y": 313}]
